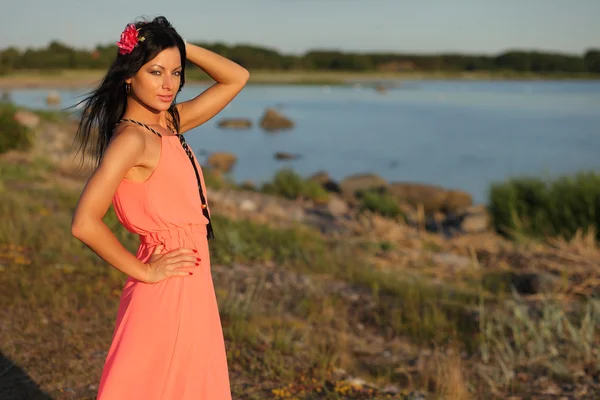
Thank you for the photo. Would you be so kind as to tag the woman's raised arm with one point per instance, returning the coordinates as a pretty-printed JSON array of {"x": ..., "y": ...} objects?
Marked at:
[{"x": 230, "y": 79}]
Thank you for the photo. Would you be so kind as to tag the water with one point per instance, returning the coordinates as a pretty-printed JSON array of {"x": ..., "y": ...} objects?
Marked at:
[{"x": 456, "y": 134}]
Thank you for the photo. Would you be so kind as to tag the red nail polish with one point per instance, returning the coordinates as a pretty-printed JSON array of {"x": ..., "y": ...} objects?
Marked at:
[
  {"x": 191, "y": 273},
  {"x": 197, "y": 264},
  {"x": 198, "y": 259},
  {"x": 195, "y": 251}
]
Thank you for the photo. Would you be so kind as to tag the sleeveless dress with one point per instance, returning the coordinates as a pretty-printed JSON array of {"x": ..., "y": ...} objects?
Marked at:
[{"x": 167, "y": 342}]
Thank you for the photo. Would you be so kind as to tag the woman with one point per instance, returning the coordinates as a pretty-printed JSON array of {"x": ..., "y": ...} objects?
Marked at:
[{"x": 168, "y": 342}]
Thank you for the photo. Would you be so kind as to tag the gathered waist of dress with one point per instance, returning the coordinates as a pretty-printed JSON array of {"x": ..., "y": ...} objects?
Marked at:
[{"x": 177, "y": 233}]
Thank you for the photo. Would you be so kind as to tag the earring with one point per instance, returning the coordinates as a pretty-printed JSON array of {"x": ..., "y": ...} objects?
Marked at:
[{"x": 127, "y": 88}]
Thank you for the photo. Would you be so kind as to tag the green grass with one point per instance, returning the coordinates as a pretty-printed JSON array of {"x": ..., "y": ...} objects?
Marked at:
[
  {"x": 13, "y": 135},
  {"x": 289, "y": 184},
  {"x": 382, "y": 203},
  {"x": 541, "y": 208}
]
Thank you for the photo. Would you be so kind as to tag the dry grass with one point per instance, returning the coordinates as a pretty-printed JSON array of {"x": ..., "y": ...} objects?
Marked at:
[
  {"x": 450, "y": 376},
  {"x": 545, "y": 337}
]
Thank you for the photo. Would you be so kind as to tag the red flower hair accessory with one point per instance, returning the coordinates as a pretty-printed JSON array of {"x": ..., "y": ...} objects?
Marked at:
[{"x": 129, "y": 39}]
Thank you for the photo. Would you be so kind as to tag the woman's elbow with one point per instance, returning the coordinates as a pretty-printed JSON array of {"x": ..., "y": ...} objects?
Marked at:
[
  {"x": 80, "y": 228},
  {"x": 244, "y": 76},
  {"x": 76, "y": 230}
]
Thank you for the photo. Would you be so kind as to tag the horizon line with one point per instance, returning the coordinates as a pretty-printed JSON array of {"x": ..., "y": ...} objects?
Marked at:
[{"x": 508, "y": 49}]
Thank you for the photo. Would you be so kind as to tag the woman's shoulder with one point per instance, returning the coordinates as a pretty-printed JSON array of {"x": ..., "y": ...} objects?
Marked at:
[{"x": 128, "y": 136}]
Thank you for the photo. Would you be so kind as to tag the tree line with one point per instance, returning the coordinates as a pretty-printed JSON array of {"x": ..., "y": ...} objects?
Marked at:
[{"x": 60, "y": 56}]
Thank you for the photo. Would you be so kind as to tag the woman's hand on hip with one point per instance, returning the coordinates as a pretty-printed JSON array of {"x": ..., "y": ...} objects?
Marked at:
[{"x": 170, "y": 264}]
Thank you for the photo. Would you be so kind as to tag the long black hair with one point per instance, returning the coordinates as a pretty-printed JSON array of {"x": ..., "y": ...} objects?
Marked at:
[{"x": 105, "y": 106}]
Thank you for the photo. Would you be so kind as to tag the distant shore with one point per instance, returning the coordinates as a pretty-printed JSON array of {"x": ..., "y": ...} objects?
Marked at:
[{"x": 88, "y": 78}]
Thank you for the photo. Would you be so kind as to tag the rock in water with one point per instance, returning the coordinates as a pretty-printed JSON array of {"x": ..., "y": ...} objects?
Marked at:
[
  {"x": 381, "y": 88},
  {"x": 273, "y": 120},
  {"x": 282, "y": 155},
  {"x": 53, "y": 98},
  {"x": 235, "y": 123}
]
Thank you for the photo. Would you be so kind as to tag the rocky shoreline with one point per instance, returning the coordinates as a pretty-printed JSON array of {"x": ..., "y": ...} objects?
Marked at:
[{"x": 445, "y": 218}]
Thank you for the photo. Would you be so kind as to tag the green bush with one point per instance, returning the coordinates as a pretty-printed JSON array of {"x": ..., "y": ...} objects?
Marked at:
[
  {"x": 541, "y": 208},
  {"x": 212, "y": 178},
  {"x": 13, "y": 135},
  {"x": 289, "y": 184},
  {"x": 381, "y": 203}
]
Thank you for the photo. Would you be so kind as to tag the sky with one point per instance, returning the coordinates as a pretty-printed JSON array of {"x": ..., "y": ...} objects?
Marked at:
[{"x": 296, "y": 26}]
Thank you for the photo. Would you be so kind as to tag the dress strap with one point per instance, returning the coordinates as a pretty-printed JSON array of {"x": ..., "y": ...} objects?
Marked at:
[
  {"x": 209, "y": 229},
  {"x": 140, "y": 124}
]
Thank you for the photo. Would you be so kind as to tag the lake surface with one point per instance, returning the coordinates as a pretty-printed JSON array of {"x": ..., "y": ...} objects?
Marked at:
[{"x": 457, "y": 134}]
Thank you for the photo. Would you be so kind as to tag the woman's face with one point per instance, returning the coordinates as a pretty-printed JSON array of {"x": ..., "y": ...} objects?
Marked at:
[{"x": 157, "y": 82}]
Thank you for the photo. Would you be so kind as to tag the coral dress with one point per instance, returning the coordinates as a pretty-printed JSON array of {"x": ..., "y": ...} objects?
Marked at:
[{"x": 168, "y": 341}]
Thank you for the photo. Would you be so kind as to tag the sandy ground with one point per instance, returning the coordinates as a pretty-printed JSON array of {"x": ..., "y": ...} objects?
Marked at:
[{"x": 89, "y": 78}]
